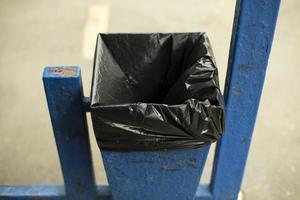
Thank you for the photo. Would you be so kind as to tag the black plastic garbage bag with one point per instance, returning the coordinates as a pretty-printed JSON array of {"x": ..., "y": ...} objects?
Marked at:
[{"x": 155, "y": 92}]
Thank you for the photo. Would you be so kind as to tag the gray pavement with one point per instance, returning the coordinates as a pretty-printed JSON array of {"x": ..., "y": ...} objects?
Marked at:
[{"x": 36, "y": 33}]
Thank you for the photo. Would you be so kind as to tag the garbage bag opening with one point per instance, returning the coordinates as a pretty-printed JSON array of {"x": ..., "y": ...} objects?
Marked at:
[{"x": 157, "y": 91}]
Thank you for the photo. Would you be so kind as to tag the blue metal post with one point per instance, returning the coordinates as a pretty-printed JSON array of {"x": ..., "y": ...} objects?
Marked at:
[
  {"x": 65, "y": 102},
  {"x": 252, "y": 37},
  {"x": 154, "y": 175}
]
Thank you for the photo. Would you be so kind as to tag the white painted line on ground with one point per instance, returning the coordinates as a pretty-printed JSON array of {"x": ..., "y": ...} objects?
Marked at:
[
  {"x": 240, "y": 196},
  {"x": 96, "y": 22}
]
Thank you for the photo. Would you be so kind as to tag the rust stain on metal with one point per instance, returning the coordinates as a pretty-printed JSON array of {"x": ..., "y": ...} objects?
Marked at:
[{"x": 64, "y": 72}]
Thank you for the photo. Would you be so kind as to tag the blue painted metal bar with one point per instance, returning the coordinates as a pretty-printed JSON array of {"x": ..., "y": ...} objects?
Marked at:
[
  {"x": 46, "y": 192},
  {"x": 252, "y": 37},
  {"x": 64, "y": 93},
  {"x": 57, "y": 192},
  {"x": 154, "y": 175}
]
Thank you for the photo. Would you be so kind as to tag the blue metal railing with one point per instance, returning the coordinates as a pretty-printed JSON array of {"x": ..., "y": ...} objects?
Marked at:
[{"x": 252, "y": 36}]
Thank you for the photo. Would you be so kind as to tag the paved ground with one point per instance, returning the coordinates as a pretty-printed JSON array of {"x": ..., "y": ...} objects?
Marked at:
[{"x": 36, "y": 33}]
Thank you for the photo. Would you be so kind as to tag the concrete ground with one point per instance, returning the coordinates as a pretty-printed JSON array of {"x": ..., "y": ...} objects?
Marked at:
[{"x": 36, "y": 33}]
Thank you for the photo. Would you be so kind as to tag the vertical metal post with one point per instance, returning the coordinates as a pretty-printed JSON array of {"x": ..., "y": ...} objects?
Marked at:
[
  {"x": 154, "y": 175},
  {"x": 64, "y": 93},
  {"x": 251, "y": 43}
]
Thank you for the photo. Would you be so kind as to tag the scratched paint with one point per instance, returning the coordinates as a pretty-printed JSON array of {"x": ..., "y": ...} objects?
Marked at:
[
  {"x": 247, "y": 65},
  {"x": 250, "y": 48},
  {"x": 151, "y": 175}
]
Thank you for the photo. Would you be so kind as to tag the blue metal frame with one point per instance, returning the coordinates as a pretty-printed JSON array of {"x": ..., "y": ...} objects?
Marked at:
[
  {"x": 64, "y": 93},
  {"x": 250, "y": 48},
  {"x": 151, "y": 175},
  {"x": 162, "y": 175}
]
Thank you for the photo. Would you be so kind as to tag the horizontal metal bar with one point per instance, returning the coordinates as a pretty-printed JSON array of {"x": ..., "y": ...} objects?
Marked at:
[
  {"x": 53, "y": 192},
  {"x": 57, "y": 192}
]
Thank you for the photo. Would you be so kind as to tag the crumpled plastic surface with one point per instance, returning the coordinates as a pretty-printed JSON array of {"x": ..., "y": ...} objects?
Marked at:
[{"x": 155, "y": 92}]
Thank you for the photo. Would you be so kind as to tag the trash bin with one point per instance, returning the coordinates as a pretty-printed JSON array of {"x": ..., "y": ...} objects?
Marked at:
[{"x": 155, "y": 92}]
